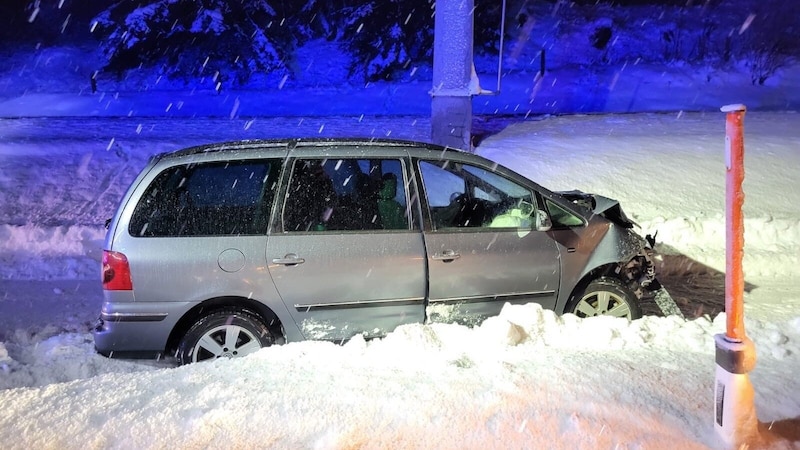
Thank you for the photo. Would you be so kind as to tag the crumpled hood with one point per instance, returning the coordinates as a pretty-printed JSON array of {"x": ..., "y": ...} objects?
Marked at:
[{"x": 604, "y": 206}]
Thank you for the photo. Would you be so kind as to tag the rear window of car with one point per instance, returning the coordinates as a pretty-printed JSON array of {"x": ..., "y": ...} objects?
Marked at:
[{"x": 207, "y": 199}]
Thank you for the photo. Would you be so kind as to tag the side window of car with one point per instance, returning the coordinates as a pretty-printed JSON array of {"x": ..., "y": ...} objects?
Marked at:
[
  {"x": 207, "y": 199},
  {"x": 465, "y": 196},
  {"x": 562, "y": 218},
  {"x": 346, "y": 194}
]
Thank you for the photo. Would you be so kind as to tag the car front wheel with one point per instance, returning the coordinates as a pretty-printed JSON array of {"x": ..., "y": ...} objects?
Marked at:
[
  {"x": 605, "y": 296},
  {"x": 228, "y": 333}
]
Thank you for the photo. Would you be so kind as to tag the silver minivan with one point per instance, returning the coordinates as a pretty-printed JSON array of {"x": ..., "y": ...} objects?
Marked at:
[{"x": 220, "y": 250}]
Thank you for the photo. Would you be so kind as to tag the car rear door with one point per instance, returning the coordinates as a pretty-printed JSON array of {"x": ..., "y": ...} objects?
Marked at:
[
  {"x": 482, "y": 247},
  {"x": 341, "y": 264}
]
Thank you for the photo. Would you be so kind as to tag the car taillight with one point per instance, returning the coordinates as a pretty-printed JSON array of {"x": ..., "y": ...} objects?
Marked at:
[{"x": 116, "y": 272}]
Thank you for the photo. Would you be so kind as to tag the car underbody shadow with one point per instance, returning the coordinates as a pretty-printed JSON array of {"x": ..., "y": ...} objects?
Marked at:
[{"x": 697, "y": 289}]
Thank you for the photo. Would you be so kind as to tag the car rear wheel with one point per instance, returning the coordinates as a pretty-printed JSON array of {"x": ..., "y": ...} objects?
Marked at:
[
  {"x": 606, "y": 297},
  {"x": 228, "y": 333}
]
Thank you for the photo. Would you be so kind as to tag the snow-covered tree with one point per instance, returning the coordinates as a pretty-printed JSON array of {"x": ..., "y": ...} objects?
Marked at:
[
  {"x": 386, "y": 36},
  {"x": 228, "y": 40},
  {"x": 324, "y": 18}
]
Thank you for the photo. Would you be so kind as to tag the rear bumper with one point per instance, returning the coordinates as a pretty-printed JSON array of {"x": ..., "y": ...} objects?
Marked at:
[{"x": 136, "y": 329}]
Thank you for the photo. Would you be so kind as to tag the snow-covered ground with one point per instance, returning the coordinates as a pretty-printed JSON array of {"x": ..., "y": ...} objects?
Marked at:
[{"x": 526, "y": 379}]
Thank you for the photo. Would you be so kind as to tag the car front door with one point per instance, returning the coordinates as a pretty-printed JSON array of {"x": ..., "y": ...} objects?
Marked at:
[
  {"x": 344, "y": 254},
  {"x": 482, "y": 248}
]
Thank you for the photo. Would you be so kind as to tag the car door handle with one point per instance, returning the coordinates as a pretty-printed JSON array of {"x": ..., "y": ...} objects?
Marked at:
[
  {"x": 446, "y": 256},
  {"x": 289, "y": 260}
]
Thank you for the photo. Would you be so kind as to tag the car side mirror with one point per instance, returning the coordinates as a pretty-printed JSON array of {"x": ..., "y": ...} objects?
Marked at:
[{"x": 542, "y": 220}]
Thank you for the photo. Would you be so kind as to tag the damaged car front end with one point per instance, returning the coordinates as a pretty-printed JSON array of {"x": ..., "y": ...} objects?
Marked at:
[{"x": 616, "y": 261}]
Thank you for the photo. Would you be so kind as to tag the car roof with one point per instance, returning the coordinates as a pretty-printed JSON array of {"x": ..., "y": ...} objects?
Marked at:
[
  {"x": 281, "y": 145},
  {"x": 382, "y": 147}
]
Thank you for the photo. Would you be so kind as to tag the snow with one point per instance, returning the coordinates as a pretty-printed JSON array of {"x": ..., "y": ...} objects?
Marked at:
[{"x": 525, "y": 379}]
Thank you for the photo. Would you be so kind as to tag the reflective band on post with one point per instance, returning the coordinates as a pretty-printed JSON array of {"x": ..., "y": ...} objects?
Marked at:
[{"x": 735, "y": 357}]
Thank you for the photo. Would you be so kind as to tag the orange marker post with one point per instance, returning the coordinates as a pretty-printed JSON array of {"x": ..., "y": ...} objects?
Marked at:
[
  {"x": 734, "y": 221},
  {"x": 734, "y": 411}
]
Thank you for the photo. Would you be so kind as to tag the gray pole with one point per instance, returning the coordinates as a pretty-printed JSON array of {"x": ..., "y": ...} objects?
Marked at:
[{"x": 451, "y": 103}]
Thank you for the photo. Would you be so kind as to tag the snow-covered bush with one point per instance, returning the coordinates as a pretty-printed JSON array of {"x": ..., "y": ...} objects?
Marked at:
[
  {"x": 765, "y": 60},
  {"x": 770, "y": 39}
]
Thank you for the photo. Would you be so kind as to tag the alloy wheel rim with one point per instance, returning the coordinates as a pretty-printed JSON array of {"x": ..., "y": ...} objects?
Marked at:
[
  {"x": 603, "y": 303},
  {"x": 225, "y": 341}
]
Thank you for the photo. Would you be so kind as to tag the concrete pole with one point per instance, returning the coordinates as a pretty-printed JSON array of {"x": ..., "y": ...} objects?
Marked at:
[
  {"x": 735, "y": 417},
  {"x": 451, "y": 103}
]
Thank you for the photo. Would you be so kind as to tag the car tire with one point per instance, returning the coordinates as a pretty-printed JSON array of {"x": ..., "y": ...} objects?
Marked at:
[
  {"x": 228, "y": 333},
  {"x": 605, "y": 296}
]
